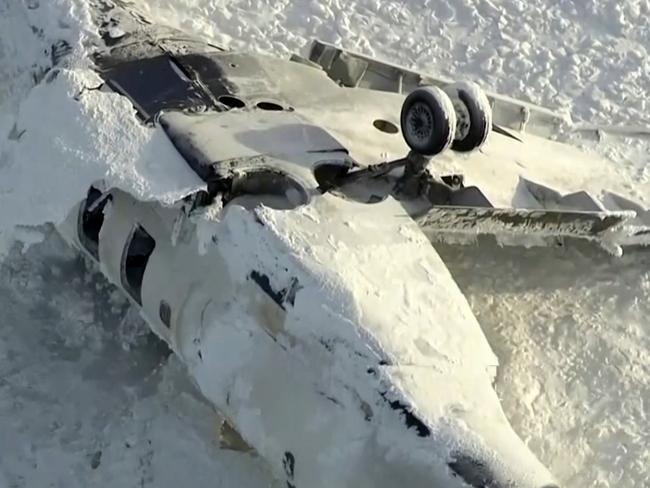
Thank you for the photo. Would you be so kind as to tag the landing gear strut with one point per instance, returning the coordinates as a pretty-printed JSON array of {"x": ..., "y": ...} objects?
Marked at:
[{"x": 434, "y": 120}]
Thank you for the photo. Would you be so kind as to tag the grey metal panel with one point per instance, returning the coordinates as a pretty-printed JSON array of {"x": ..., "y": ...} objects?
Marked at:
[{"x": 208, "y": 140}]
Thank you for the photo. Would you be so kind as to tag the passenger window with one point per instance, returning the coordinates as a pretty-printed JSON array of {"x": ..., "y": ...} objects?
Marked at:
[
  {"x": 91, "y": 219},
  {"x": 165, "y": 313},
  {"x": 134, "y": 261}
]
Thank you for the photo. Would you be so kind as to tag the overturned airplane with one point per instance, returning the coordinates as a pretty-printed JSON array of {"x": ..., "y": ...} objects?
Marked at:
[{"x": 300, "y": 286}]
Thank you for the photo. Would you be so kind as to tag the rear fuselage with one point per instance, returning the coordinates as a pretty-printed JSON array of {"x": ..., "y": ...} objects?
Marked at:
[{"x": 329, "y": 333}]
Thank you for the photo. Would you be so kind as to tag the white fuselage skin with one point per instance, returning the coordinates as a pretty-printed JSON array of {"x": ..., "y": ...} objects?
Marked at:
[{"x": 331, "y": 336}]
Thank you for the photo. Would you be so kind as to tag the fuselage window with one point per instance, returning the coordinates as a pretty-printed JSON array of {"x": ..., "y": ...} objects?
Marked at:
[
  {"x": 165, "y": 313},
  {"x": 134, "y": 261},
  {"x": 91, "y": 219}
]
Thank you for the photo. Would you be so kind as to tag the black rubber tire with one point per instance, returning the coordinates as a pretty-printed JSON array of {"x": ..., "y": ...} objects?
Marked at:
[
  {"x": 478, "y": 108},
  {"x": 428, "y": 121}
]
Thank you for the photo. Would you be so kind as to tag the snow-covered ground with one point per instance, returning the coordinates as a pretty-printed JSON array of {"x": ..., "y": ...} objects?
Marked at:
[
  {"x": 571, "y": 330},
  {"x": 79, "y": 375},
  {"x": 88, "y": 397}
]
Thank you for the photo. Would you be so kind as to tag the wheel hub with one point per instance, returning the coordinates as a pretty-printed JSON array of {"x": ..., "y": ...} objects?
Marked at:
[
  {"x": 420, "y": 122},
  {"x": 462, "y": 119}
]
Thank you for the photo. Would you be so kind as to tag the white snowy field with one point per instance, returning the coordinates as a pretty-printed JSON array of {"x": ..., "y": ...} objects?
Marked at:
[
  {"x": 80, "y": 376},
  {"x": 88, "y": 397}
]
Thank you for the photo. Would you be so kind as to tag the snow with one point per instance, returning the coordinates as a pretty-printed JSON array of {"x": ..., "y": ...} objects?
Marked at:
[
  {"x": 572, "y": 335},
  {"x": 80, "y": 375},
  {"x": 67, "y": 134},
  {"x": 571, "y": 332},
  {"x": 31, "y": 30},
  {"x": 73, "y": 134}
]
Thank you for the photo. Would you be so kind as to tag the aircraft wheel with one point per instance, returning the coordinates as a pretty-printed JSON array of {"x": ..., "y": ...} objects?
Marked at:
[
  {"x": 473, "y": 115},
  {"x": 428, "y": 120}
]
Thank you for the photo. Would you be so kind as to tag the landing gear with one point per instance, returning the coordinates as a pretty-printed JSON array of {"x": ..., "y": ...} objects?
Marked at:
[
  {"x": 432, "y": 121},
  {"x": 428, "y": 121},
  {"x": 473, "y": 115},
  {"x": 458, "y": 117}
]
